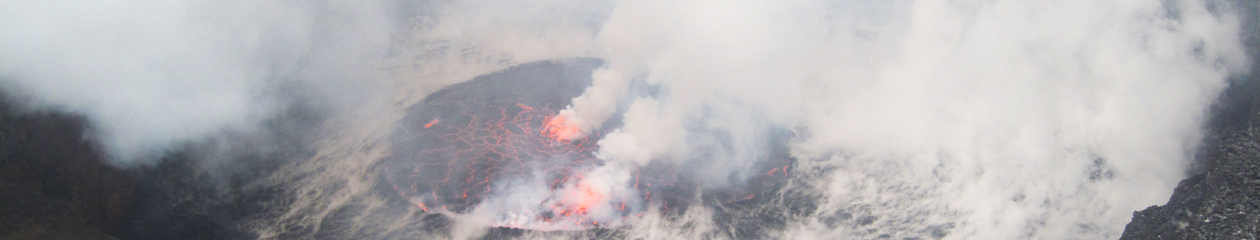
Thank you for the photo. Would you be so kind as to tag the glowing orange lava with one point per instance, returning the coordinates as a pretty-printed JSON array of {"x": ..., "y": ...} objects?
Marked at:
[
  {"x": 559, "y": 128},
  {"x": 464, "y": 159},
  {"x": 581, "y": 200},
  {"x": 497, "y": 147}
]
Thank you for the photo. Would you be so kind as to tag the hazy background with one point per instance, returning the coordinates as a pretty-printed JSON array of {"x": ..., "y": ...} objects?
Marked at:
[{"x": 929, "y": 119}]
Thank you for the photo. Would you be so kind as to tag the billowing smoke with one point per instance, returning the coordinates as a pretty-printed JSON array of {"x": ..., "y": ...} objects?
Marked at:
[
  {"x": 891, "y": 119},
  {"x": 1002, "y": 119},
  {"x": 154, "y": 75}
]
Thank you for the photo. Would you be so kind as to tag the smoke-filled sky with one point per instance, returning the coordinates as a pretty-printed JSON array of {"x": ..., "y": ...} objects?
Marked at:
[
  {"x": 1001, "y": 119},
  {"x": 152, "y": 75}
]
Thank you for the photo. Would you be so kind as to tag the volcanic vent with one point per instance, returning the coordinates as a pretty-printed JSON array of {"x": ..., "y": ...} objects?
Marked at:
[{"x": 495, "y": 143}]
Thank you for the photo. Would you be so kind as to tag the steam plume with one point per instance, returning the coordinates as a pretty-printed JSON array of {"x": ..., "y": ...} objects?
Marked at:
[
  {"x": 1029, "y": 115},
  {"x": 960, "y": 119},
  {"x": 152, "y": 75}
]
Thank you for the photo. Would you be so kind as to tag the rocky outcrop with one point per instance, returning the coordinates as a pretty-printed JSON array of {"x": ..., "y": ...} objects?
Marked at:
[
  {"x": 25, "y": 213},
  {"x": 53, "y": 183},
  {"x": 1222, "y": 199},
  {"x": 1221, "y": 203}
]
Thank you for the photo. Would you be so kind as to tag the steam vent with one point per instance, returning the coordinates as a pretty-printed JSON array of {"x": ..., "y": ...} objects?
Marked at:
[
  {"x": 495, "y": 147},
  {"x": 643, "y": 120},
  {"x": 468, "y": 142}
]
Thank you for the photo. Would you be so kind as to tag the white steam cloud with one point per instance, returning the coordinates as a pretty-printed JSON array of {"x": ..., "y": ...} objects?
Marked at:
[
  {"x": 963, "y": 119},
  {"x": 1034, "y": 119},
  {"x": 151, "y": 75}
]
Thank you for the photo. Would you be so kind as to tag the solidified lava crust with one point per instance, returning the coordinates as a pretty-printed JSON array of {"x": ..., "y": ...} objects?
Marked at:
[
  {"x": 455, "y": 147},
  {"x": 499, "y": 134}
]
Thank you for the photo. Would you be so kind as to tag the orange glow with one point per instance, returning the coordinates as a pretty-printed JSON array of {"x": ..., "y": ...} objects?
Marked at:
[
  {"x": 578, "y": 202},
  {"x": 484, "y": 148},
  {"x": 586, "y": 197},
  {"x": 559, "y": 128}
]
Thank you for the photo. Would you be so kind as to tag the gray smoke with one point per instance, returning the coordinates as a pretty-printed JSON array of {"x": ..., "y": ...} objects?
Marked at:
[
  {"x": 154, "y": 75},
  {"x": 960, "y": 119},
  {"x": 1007, "y": 119}
]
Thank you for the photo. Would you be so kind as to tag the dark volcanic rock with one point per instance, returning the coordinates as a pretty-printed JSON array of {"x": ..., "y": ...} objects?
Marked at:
[
  {"x": 53, "y": 184},
  {"x": 209, "y": 190},
  {"x": 1221, "y": 203},
  {"x": 1222, "y": 199},
  {"x": 25, "y": 213}
]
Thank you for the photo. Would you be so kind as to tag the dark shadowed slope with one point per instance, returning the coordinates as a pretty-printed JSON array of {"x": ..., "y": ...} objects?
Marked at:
[{"x": 1221, "y": 200}]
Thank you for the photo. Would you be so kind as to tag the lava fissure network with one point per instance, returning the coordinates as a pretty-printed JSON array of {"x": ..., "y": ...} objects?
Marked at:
[
  {"x": 495, "y": 148},
  {"x": 691, "y": 119}
]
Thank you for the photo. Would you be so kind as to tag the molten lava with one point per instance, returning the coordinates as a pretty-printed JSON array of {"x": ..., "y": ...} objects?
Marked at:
[
  {"x": 483, "y": 153},
  {"x": 496, "y": 148},
  {"x": 578, "y": 201},
  {"x": 559, "y": 129}
]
